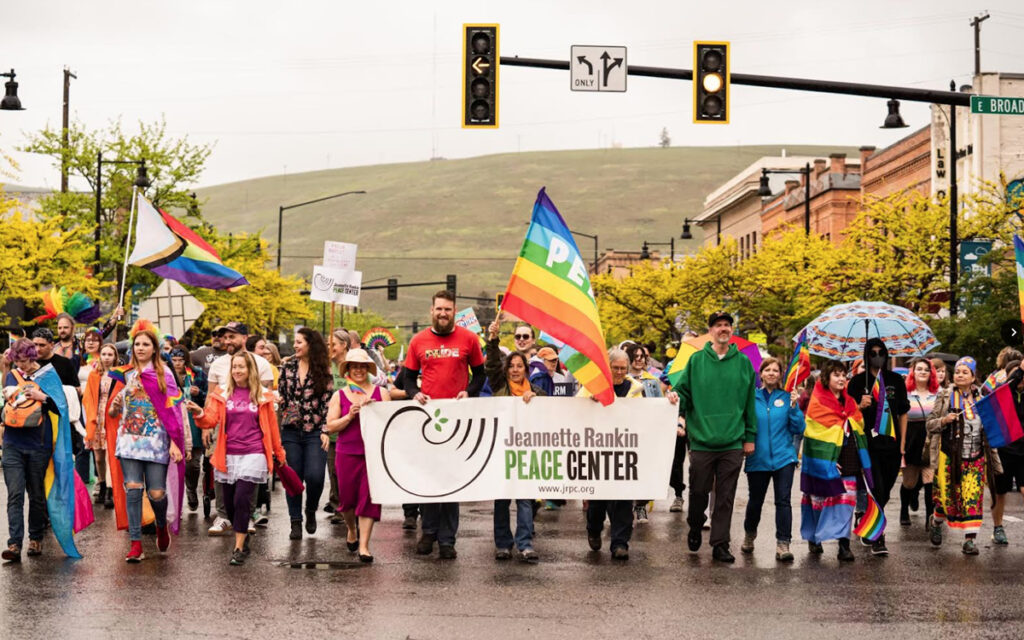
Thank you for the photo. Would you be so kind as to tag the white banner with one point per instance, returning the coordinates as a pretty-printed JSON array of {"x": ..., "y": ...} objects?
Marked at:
[
  {"x": 336, "y": 285},
  {"x": 340, "y": 255},
  {"x": 487, "y": 448}
]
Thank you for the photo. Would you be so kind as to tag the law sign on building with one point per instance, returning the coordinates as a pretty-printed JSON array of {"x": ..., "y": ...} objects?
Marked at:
[
  {"x": 597, "y": 68},
  {"x": 997, "y": 105}
]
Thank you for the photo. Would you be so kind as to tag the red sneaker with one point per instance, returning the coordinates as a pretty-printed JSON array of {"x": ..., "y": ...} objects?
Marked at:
[
  {"x": 163, "y": 539},
  {"x": 135, "y": 554}
]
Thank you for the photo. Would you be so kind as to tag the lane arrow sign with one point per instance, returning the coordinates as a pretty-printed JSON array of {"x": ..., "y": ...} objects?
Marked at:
[
  {"x": 583, "y": 60},
  {"x": 608, "y": 67}
]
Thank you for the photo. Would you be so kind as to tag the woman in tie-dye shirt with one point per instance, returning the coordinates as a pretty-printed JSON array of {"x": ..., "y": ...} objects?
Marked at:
[{"x": 922, "y": 385}]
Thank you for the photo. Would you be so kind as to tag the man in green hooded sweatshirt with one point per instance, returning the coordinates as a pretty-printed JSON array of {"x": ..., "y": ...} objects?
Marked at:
[{"x": 716, "y": 396}]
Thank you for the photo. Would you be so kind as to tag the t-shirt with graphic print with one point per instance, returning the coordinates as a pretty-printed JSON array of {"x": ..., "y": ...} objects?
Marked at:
[
  {"x": 140, "y": 435},
  {"x": 242, "y": 424},
  {"x": 444, "y": 360}
]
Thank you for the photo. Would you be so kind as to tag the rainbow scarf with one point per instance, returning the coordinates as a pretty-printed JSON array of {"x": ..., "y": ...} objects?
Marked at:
[
  {"x": 962, "y": 404},
  {"x": 550, "y": 288},
  {"x": 828, "y": 421},
  {"x": 872, "y": 523},
  {"x": 353, "y": 387},
  {"x": 884, "y": 425},
  {"x": 64, "y": 502},
  {"x": 799, "y": 366}
]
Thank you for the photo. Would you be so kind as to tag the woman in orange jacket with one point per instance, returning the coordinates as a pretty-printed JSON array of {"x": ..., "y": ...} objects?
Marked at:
[{"x": 248, "y": 440}]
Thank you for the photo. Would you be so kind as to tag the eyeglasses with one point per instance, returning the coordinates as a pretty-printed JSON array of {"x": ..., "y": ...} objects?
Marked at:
[
  {"x": 551, "y": 360},
  {"x": 523, "y": 336}
]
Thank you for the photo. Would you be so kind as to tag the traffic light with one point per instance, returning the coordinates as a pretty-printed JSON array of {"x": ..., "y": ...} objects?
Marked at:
[
  {"x": 450, "y": 282},
  {"x": 711, "y": 82},
  {"x": 392, "y": 289},
  {"x": 480, "y": 76}
]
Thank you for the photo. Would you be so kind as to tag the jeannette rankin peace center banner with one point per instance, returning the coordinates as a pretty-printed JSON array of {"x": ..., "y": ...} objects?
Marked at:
[{"x": 488, "y": 448}]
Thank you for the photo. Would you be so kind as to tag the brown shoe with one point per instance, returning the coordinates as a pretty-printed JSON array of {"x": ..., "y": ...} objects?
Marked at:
[
  {"x": 11, "y": 554},
  {"x": 35, "y": 548}
]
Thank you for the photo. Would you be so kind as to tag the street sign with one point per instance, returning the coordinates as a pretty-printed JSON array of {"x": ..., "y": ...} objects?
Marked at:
[
  {"x": 171, "y": 308},
  {"x": 597, "y": 68},
  {"x": 997, "y": 105},
  {"x": 971, "y": 252}
]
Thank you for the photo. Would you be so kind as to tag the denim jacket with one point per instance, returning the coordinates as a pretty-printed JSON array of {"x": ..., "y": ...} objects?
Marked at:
[{"x": 777, "y": 423}]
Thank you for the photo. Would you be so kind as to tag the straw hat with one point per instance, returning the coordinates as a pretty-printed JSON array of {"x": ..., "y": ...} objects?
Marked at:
[{"x": 356, "y": 355}]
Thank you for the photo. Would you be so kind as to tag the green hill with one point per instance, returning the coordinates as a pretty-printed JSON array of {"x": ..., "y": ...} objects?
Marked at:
[{"x": 420, "y": 221}]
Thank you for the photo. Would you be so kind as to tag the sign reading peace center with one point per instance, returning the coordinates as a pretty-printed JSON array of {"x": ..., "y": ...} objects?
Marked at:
[{"x": 489, "y": 448}]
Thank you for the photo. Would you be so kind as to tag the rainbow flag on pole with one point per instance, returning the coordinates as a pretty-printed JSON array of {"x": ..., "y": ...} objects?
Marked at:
[
  {"x": 800, "y": 365},
  {"x": 1018, "y": 250},
  {"x": 173, "y": 251},
  {"x": 999, "y": 417},
  {"x": 550, "y": 288},
  {"x": 872, "y": 523}
]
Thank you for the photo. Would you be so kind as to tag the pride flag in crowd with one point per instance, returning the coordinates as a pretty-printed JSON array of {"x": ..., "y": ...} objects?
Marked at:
[
  {"x": 884, "y": 425},
  {"x": 827, "y": 425},
  {"x": 550, "y": 288},
  {"x": 173, "y": 251},
  {"x": 799, "y": 366},
  {"x": 1018, "y": 250},
  {"x": 999, "y": 417},
  {"x": 872, "y": 523}
]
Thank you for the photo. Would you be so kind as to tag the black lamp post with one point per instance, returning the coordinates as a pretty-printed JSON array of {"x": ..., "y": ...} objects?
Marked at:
[
  {"x": 765, "y": 191},
  {"x": 141, "y": 181},
  {"x": 280, "y": 217},
  {"x": 10, "y": 101},
  {"x": 645, "y": 254},
  {"x": 686, "y": 235}
]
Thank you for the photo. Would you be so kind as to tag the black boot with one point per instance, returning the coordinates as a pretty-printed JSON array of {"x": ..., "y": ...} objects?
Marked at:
[
  {"x": 905, "y": 506},
  {"x": 101, "y": 492},
  {"x": 108, "y": 499},
  {"x": 845, "y": 555},
  {"x": 296, "y": 532},
  {"x": 929, "y": 506},
  {"x": 915, "y": 493}
]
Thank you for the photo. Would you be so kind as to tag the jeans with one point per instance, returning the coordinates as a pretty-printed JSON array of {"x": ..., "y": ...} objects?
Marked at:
[
  {"x": 620, "y": 519},
  {"x": 524, "y": 524},
  {"x": 675, "y": 476},
  {"x": 718, "y": 470},
  {"x": 25, "y": 470},
  {"x": 782, "y": 482},
  {"x": 154, "y": 476},
  {"x": 440, "y": 520},
  {"x": 309, "y": 461}
]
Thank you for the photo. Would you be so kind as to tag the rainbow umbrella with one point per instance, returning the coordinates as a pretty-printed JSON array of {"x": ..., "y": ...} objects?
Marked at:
[
  {"x": 689, "y": 347},
  {"x": 841, "y": 331}
]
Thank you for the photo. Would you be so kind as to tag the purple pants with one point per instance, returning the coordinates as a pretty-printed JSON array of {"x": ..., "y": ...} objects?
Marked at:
[
  {"x": 354, "y": 486},
  {"x": 237, "y": 498}
]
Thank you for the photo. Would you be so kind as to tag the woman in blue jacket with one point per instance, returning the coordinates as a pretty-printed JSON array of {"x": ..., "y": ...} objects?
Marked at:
[{"x": 774, "y": 458}]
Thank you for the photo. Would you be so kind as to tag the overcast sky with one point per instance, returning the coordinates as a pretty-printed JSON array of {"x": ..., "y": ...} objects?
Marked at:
[{"x": 308, "y": 85}]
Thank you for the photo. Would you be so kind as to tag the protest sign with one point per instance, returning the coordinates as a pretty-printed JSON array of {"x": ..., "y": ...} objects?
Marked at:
[{"x": 336, "y": 285}]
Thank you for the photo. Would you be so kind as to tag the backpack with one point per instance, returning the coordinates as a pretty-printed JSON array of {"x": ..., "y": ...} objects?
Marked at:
[{"x": 21, "y": 411}]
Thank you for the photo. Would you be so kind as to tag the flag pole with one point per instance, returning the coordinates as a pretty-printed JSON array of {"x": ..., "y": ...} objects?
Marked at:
[{"x": 127, "y": 246}]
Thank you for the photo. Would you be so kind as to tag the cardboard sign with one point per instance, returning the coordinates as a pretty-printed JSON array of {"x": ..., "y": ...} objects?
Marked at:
[{"x": 336, "y": 285}]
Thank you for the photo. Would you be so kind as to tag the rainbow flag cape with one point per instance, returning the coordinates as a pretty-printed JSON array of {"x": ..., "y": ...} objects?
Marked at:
[
  {"x": 550, "y": 288},
  {"x": 799, "y": 366},
  {"x": 173, "y": 251},
  {"x": 64, "y": 503},
  {"x": 872, "y": 523},
  {"x": 827, "y": 423},
  {"x": 883, "y": 417},
  {"x": 999, "y": 417},
  {"x": 1018, "y": 250}
]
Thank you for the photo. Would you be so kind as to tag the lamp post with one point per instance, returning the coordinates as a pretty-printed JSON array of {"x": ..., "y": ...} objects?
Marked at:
[
  {"x": 280, "y": 217},
  {"x": 141, "y": 181},
  {"x": 645, "y": 254},
  {"x": 765, "y": 191},
  {"x": 954, "y": 205},
  {"x": 68, "y": 75},
  {"x": 686, "y": 235},
  {"x": 10, "y": 101}
]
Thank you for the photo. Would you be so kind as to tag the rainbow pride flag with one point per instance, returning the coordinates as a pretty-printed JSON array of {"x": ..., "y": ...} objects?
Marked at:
[
  {"x": 799, "y": 366},
  {"x": 884, "y": 425},
  {"x": 999, "y": 417},
  {"x": 1018, "y": 250},
  {"x": 674, "y": 370},
  {"x": 872, "y": 523},
  {"x": 550, "y": 288},
  {"x": 827, "y": 423},
  {"x": 173, "y": 251},
  {"x": 353, "y": 387}
]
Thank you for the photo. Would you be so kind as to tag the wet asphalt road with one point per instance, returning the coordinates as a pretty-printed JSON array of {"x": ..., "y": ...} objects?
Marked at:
[{"x": 662, "y": 591}]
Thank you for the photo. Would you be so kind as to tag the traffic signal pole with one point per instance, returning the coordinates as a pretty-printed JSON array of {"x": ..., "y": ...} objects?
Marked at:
[{"x": 775, "y": 82}]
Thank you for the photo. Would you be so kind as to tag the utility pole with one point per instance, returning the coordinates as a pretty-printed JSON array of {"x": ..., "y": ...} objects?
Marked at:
[
  {"x": 976, "y": 23},
  {"x": 65, "y": 144}
]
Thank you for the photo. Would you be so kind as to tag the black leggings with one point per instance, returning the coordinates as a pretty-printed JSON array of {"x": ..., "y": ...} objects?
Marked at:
[
  {"x": 885, "y": 467},
  {"x": 236, "y": 500}
]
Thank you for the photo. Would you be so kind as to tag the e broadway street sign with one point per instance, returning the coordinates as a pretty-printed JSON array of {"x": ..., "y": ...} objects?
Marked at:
[
  {"x": 489, "y": 448},
  {"x": 997, "y": 105}
]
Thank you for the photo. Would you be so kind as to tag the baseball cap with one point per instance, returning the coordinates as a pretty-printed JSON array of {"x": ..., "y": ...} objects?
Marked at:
[
  {"x": 546, "y": 353},
  {"x": 218, "y": 330},
  {"x": 235, "y": 327},
  {"x": 719, "y": 315}
]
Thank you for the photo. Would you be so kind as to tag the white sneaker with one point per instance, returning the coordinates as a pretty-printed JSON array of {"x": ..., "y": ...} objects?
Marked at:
[
  {"x": 252, "y": 525},
  {"x": 220, "y": 527},
  {"x": 640, "y": 513},
  {"x": 677, "y": 506},
  {"x": 262, "y": 519}
]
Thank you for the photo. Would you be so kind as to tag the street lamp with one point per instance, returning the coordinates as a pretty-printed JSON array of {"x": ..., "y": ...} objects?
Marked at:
[
  {"x": 645, "y": 254},
  {"x": 893, "y": 120},
  {"x": 141, "y": 181},
  {"x": 10, "y": 102},
  {"x": 686, "y": 235},
  {"x": 280, "y": 217},
  {"x": 765, "y": 191}
]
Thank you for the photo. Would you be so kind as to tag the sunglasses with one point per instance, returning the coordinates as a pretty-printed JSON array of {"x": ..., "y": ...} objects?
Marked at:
[{"x": 522, "y": 336}]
